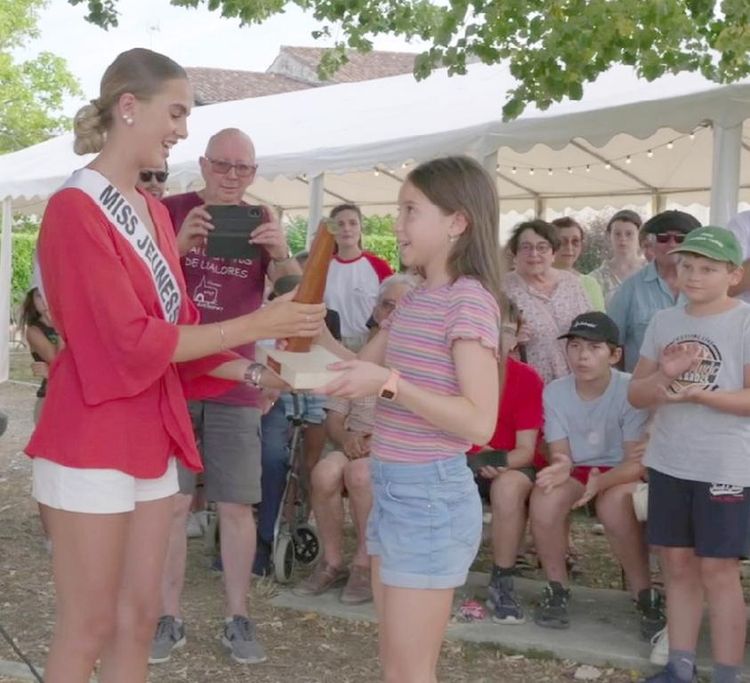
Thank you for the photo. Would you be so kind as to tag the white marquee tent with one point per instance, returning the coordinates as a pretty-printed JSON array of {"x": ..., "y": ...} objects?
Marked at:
[{"x": 677, "y": 139}]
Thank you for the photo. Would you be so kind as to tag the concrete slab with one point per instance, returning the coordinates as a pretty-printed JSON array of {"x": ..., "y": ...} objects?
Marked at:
[{"x": 604, "y": 625}]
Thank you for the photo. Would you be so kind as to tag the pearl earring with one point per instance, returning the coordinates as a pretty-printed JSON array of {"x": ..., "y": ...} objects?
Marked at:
[
  {"x": 452, "y": 238},
  {"x": 128, "y": 120}
]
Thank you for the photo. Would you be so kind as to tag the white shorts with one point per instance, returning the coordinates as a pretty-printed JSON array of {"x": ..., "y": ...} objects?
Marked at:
[{"x": 97, "y": 491}]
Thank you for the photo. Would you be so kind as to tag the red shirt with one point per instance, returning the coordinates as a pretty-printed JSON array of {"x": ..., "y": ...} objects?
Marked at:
[
  {"x": 221, "y": 289},
  {"x": 114, "y": 400},
  {"x": 521, "y": 407}
]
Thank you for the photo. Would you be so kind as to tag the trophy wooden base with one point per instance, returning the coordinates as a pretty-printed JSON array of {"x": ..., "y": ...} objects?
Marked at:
[{"x": 300, "y": 371}]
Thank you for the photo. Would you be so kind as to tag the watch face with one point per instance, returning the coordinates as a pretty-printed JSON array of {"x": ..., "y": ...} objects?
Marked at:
[{"x": 387, "y": 394}]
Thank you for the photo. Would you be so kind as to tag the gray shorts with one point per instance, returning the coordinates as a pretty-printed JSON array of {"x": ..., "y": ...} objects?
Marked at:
[{"x": 229, "y": 441}]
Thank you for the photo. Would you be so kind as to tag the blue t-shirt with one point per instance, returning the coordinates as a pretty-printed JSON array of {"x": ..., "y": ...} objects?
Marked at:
[{"x": 597, "y": 429}]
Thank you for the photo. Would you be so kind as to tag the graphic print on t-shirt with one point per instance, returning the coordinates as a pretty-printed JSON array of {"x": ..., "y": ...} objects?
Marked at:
[
  {"x": 206, "y": 294},
  {"x": 706, "y": 372}
]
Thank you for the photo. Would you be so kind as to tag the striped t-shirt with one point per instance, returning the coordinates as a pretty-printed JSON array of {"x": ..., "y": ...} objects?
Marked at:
[{"x": 421, "y": 332}]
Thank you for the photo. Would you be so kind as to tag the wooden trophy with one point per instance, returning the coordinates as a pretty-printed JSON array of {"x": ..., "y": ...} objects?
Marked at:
[{"x": 303, "y": 365}]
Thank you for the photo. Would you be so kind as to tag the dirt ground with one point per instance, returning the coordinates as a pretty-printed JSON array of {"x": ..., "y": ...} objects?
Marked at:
[{"x": 304, "y": 648}]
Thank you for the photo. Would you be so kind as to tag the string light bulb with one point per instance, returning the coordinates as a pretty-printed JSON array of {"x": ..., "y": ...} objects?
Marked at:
[
  {"x": 588, "y": 168},
  {"x": 692, "y": 135},
  {"x": 514, "y": 170},
  {"x": 650, "y": 154},
  {"x": 608, "y": 165},
  {"x": 549, "y": 171},
  {"x": 670, "y": 145},
  {"x": 628, "y": 160},
  {"x": 376, "y": 173},
  {"x": 570, "y": 170},
  {"x": 531, "y": 171}
]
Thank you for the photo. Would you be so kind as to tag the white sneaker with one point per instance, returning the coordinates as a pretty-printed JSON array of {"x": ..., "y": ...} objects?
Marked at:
[
  {"x": 194, "y": 528},
  {"x": 660, "y": 651}
]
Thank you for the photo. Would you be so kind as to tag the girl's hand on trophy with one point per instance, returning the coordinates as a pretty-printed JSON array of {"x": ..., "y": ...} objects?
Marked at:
[
  {"x": 357, "y": 378},
  {"x": 282, "y": 318}
]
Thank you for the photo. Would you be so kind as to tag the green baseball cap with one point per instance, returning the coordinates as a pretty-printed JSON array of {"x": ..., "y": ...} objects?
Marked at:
[{"x": 712, "y": 242}]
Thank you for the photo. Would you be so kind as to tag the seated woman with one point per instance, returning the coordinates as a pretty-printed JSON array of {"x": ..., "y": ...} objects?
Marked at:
[
  {"x": 347, "y": 470},
  {"x": 507, "y": 488},
  {"x": 548, "y": 298}
]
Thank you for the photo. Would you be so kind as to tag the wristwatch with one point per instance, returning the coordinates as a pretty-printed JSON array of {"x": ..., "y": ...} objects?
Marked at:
[
  {"x": 253, "y": 374},
  {"x": 389, "y": 391},
  {"x": 286, "y": 258}
]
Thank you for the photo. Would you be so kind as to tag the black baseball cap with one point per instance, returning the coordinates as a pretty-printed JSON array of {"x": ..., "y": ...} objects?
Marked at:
[
  {"x": 594, "y": 326},
  {"x": 671, "y": 221}
]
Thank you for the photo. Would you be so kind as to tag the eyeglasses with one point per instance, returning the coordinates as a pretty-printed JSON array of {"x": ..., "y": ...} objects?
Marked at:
[
  {"x": 223, "y": 167},
  {"x": 539, "y": 248},
  {"x": 665, "y": 237},
  {"x": 161, "y": 176}
]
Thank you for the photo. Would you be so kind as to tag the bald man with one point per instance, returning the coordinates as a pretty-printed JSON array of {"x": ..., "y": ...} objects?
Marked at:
[{"x": 226, "y": 427}]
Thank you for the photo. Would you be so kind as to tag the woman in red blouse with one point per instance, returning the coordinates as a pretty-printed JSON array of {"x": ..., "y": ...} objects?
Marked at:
[{"x": 116, "y": 417}]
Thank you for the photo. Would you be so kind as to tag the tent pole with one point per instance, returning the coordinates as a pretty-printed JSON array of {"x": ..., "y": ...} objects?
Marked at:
[
  {"x": 6, "y": 245},
  {"x": 315, "y": 212},
  {"x": 725, "y": 176}
]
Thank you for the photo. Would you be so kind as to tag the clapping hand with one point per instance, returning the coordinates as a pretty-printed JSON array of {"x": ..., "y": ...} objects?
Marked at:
[
  {"x": 677, "y": 359},
  {"x": 591, "y": 490},
  {"x": 553, "y": 476}
]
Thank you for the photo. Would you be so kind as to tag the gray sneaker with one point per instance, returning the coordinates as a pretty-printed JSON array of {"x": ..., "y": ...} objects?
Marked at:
[
  {"x": 170, "y": 635},
  {"x": 239, "y": 639}
]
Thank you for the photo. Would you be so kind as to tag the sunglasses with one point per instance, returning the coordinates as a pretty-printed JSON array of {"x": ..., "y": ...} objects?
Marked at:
[
  {"x": 160, "y": 176},
  {"x": 223, "y": 167},
  {"x": 665, "y": 237}
]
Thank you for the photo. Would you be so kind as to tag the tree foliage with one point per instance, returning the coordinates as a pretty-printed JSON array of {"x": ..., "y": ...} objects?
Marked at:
[
  {"x": 32, "y": 91},
  {"x": 553, "y": 47},
  {"x": 377, "y": 237}
]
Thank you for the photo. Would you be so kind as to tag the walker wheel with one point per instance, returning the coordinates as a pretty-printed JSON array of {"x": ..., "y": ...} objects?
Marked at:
[
  {"x": 283, "y": 559},
  {"x": 306, "y": 544}
]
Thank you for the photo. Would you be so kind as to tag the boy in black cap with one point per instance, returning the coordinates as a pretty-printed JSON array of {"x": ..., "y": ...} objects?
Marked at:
[
  {"x": 694, "y": 371},
  {"x": 594, "y": 437}
]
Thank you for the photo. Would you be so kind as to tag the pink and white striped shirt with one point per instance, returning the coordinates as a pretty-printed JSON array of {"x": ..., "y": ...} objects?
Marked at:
[{"x": 421, "y": 332}]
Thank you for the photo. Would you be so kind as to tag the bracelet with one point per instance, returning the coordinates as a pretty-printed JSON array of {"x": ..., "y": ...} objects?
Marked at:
[
  {"x": 253, "y": 374},
  {"x": 222, "y": 338}
]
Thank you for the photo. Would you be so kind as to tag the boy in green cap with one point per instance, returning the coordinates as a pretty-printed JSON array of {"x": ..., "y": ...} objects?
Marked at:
[{"x": 694, "y": 372}]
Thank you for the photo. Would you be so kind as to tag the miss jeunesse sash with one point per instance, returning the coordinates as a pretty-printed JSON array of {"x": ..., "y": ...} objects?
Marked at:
[{"x": 127, "y": 222}]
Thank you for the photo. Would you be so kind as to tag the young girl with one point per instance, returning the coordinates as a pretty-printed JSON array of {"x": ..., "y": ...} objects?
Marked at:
[
  {"x": 43, "y": 340},
  {"x": 434, "y": 367},
  {"x": 115, "y": 418},
  {"x": 354, "y": 277}
]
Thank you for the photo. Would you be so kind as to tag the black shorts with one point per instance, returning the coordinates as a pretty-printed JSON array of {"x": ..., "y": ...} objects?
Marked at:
[
  {"x": 714, "y": 519},
  {"x": 484, "y": 485}
]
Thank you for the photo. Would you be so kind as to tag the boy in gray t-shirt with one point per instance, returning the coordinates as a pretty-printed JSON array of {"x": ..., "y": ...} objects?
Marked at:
[
  {"x": 694, "y": 371},
  {"x": 594, "y": 436}
]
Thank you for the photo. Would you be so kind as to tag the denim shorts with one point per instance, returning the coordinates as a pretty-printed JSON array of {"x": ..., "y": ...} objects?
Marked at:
[
  {"x": 426, "y": 522},
  {"x": 312, "y": 408}
]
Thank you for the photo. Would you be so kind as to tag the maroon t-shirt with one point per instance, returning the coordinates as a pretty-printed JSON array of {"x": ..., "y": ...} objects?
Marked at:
[{"x": 221, "y": 289}]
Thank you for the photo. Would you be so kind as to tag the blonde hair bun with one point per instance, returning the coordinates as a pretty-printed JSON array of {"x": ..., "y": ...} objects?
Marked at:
[{"x": 89, "y": 130}]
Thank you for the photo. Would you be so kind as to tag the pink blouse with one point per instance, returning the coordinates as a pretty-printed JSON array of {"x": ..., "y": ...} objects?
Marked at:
[{"x": 545, "y": 318}]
